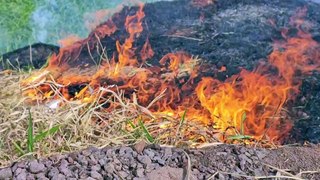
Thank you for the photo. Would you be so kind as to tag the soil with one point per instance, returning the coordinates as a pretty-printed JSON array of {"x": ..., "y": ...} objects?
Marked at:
[{"x": 155, "y": 162}]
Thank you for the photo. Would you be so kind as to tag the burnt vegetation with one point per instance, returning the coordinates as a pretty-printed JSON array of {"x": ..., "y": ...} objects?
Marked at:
[{"x": 233, "y": 35}]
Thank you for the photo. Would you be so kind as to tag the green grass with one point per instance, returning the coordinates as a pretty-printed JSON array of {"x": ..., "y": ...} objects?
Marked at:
[
  {"x": 32, "y": 138},
  {"x": 146, "y": 132},
  {"x": 140, "y": 131},
  {"x": 14, "y": 23},
  {"x": 241, "y": 135}
]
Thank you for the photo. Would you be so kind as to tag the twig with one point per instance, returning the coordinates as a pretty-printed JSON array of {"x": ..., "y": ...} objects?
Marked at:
[
  {"x": 184, "y": 37},
  {"x": 213, "y": 176},
  {"x": 30, "y": 54},
  {"x": 187, "y": 173},
  {"x": 290, "y": 174},
  {"x": 90, "y": 54},
  {"x": 260, "y": 177},
  {"x": 280, "y": 170},
  {"x": 307, "y": 172},
  {"x": 157, "y": 98},
  {"x": 103, "y": 52},
  {"x": 205, "y": 145}
]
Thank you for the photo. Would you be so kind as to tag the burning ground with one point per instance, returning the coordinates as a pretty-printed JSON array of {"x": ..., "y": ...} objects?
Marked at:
[
  {"x": 177, "y": 85},
  {"x": 181, "y": 73}
]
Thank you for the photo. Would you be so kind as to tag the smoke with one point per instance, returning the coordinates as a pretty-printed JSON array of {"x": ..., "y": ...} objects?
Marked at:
[
  {"x": 54, "y": 20},
  {"x": 41, "y": 19}
]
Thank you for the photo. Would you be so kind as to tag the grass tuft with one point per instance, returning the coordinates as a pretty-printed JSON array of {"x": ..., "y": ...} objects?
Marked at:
[
  {"x": 146, "y": 132},
  {"x": 30, "y": 141},
  {"x": 240, "y": 136}
]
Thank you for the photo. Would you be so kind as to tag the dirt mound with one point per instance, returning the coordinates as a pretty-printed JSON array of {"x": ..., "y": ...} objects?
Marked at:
[{"x": 33, "y": 56}]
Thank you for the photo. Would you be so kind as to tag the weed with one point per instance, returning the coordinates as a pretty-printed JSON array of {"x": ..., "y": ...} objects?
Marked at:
[
  {"x": 145, "y": 131},
  {"x": 240, "y": 135},
  {"x": 140, "y": 130},
  {"x": 182, "y": 120},
  {"x": 17, "y": 145},
  {"x": 30, "y": 141},
  {"x": 31, "y": 138},
  {"x": 42, "y": 135}
]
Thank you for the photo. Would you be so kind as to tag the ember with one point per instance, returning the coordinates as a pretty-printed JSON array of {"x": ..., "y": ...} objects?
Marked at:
[{"x": 249, "y": 103}]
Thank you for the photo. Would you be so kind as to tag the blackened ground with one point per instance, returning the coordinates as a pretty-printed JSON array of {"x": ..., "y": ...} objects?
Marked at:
[
  {"x": 34, "y": 56},
  {"x": 154, "y": 162},
  {"x": 232, "y": 33},
  {"x": 307, "y": 128}
]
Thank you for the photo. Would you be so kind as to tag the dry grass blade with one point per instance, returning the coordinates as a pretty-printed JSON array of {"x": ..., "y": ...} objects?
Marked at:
[
  {"x": 261, "y": 177},
  {"x": 279, "y": 170},
  {"x": 290, "y": 174},
  {"x": 307, "y": 172},
  {"x": 184, "y": 37},
  {"x": 187, "y": 169},
  {"x": 213, "y": 175}
]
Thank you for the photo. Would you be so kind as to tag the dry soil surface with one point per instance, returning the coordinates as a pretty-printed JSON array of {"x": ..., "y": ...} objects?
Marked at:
[{"x": 156, "y": 162}]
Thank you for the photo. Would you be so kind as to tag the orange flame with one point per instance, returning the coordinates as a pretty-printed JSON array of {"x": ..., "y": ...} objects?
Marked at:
[
  {"x": 146, "y": 51},
  {"x": 134, "y": 27},
  {"x": 261, "y": 95}
]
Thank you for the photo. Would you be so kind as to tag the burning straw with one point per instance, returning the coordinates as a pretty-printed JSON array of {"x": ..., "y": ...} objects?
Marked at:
[{"x": 175, "y": 94}]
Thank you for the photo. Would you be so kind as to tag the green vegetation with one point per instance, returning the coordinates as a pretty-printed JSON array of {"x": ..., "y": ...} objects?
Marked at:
[
  {"x": 32, "y": 139},
  {"x": 14, "y": 23},
  {"x": 140, "y": 131},
  {"x": 241, "y": 135}
]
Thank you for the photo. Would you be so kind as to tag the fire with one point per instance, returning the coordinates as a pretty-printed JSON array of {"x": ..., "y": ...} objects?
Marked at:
[
  {"x": 134, "y": 27},
  {"x": 248, "y": 94},
  {"x": 261, "y": 95},
  {"x": 248, "y": 103},
  {"x": 146, "y": 51}
]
